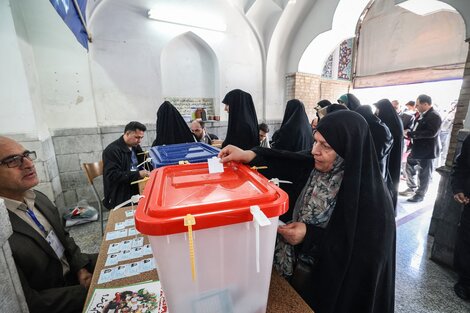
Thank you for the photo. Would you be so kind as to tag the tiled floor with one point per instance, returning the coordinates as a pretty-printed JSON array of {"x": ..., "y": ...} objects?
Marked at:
[{"x": 422, "y": 286}]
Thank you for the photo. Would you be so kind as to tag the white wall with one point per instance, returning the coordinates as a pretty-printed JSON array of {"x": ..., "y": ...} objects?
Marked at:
[
  {"x": 188, "y": 68},
  {"x": 127, "y": 48},
  {"x": 16, "y": 110},
  {"x": 48, "y": 74}
]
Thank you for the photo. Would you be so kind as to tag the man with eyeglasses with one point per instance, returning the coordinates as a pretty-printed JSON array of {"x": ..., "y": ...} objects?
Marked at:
[
  {"x": 123, "y": 162},
  {"x": 54, "y": 274},
  {"x": 199, "y": 131}
]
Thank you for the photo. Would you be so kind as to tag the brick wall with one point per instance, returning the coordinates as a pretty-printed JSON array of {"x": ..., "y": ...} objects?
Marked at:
[
  {"x": 461, "y": 112},
  {"x": 311, "y": 88}
]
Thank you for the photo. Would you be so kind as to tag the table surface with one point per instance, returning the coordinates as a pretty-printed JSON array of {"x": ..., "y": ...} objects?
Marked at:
[{"x": 282, "y": 297}]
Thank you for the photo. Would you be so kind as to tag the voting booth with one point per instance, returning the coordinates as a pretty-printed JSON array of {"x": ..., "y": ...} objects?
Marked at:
[{"x": 212, "y": 235}]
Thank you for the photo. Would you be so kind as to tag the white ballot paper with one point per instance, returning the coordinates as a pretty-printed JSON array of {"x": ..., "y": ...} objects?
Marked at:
[{"x": 214, "y": 165}]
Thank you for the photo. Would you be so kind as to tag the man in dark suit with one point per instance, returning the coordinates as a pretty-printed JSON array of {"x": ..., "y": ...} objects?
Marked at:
[
  {"x": 424, "y": 149},
  {"x": 55, "y": 275}
]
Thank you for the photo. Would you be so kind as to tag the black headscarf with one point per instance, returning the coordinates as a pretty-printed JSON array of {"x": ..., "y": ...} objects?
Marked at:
[
  {"x": 171, "y": 127},
  {"x": 242, "y": 130},
  {"x": 383, "y": 140},
  {"x": 350, "y": 100},
  {"x": 295, "y": 133},
  {"x": 389, "y": 116},
  {"x": 354, "y": 269},
  {"x": 329, "y": 109},
  {"x": 320, "y": 105},
  {"x": 323, "y": 103}
]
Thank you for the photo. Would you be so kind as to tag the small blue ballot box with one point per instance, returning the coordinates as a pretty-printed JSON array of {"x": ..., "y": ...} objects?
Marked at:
[{"x": 193, "y": 152}]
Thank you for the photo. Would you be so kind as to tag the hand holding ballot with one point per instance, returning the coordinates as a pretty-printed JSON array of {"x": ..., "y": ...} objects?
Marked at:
[{"x": 232, "y": 153}]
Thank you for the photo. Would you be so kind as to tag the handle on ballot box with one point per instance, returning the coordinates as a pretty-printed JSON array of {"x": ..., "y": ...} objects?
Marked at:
[{"x": 260, "y": 219}]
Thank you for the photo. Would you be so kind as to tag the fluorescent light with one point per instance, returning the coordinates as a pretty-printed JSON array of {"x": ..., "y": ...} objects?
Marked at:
[
  {"x": 426, "y": 7},
  {"x": 187, "y": 18}
]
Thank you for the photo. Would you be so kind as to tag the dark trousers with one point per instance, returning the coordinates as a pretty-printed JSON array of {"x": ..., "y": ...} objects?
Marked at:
[
  {"x": 424, "y": 169},
  {"x": 462, "y": 248}
]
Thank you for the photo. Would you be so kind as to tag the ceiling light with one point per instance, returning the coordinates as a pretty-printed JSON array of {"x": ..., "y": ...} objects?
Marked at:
[{"x": 188, "y": 18}]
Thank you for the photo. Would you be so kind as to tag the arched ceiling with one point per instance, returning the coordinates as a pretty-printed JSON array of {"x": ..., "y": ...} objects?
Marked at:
[
  {"x": 462, "y": 6},
  {"x": 344, "y": 25}
]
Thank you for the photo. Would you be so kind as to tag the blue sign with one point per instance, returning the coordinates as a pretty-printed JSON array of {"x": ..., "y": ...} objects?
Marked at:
[{"x": 71, "y": 17}]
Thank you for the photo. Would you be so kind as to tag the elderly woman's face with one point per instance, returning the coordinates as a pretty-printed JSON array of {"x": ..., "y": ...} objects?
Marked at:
[{"x": 323, "y": 154}]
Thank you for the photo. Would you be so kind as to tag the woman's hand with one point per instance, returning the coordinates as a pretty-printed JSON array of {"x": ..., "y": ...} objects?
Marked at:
[
  {"x": 293, "y": 233},
  {"x": 232, "y": 153},
  {"x": 461, "y": 198}
]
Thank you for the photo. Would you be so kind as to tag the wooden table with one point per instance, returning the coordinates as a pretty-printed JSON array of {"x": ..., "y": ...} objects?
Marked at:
[{"x": 282, "y": 297}]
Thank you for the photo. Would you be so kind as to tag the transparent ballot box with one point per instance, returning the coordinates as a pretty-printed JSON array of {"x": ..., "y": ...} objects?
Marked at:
[{"x": 212, "y": 235}]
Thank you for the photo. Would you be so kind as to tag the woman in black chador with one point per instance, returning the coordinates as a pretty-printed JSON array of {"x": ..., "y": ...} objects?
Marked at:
[
  {"x": 382, "y": 137},
  {"x": 242, "y": 130},
  {"x": 171, "y": 127},
  {"x": 295, "y": 133},
  {"x": 339, "y": 251},
  {"x": 387, "y": 114}
]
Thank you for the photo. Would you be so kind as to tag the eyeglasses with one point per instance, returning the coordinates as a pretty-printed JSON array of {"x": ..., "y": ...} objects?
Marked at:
[{"x": 17, "y": 160}]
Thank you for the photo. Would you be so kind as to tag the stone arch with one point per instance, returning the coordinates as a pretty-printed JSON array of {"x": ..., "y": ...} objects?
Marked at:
[{"x": 344, "y": 25}]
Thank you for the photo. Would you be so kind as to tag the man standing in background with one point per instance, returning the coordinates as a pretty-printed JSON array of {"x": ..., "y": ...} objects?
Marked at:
[{"x": 424, "y": 149}]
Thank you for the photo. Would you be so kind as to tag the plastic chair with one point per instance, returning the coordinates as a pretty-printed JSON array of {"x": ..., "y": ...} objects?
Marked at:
[{"x": 92, "y": 171}]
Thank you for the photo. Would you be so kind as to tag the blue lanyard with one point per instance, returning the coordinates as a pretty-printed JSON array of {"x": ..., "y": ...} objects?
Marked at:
[{"x": 36, "y": 221}]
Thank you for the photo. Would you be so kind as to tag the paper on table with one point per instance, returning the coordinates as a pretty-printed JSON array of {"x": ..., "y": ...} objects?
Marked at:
[{"x": 116, "y": 234}]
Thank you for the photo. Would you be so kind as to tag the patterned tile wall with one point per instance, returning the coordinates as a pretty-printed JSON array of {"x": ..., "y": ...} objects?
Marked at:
[
  {"x": 345, "y": 59},
  {"x": 339, "y": 63}
]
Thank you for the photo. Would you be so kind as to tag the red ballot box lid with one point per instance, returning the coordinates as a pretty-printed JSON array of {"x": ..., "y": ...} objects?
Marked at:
[{"x": 214, "y": 200}]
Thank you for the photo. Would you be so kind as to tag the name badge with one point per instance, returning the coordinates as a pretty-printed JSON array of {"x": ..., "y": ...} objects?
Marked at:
[{"x": 55, "y": 243}]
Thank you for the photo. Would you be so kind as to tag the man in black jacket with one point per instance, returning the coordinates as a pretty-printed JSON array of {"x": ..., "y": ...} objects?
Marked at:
[
  {"x": 424, "y": 149},
  {"x": 53, "y": 272},
  {"x": 120, "y": 160},
  {"x": 460, "y": 182}
]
